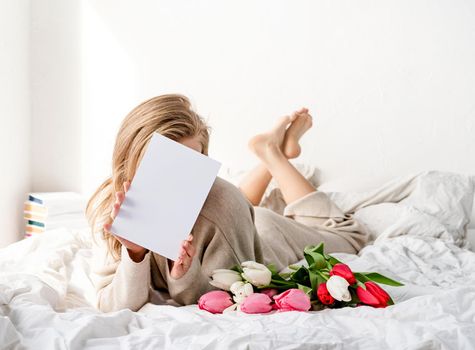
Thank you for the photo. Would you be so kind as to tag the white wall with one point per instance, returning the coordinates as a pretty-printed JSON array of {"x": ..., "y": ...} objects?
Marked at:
[
  {"x": 56, "y": 95},
  {"x": 14, "y": 116},
  {"x": 390, "y": 83}
]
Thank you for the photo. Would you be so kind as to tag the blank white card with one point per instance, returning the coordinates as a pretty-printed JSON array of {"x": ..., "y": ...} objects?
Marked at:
[{"x": 165, "y": 197}]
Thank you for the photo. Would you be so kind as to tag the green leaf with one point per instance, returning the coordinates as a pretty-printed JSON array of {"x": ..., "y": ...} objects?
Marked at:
[
  {"x": 273, "y": 269},
  {"x": 281, "y": 284},
  {"x": 237, "y": 268},
  {"x": 313, "y": 248},
  {"x": 279, "y": 278},
  {"x": 309, "y": 259},
  {"x": 306, "y": 289},
  {"x": 318, "y": 261},
  {"x": 354, "y": 297},
  {"x": 313, "y": 279},
  {"x": 360, "y": 277},
  {"x": 319, "y": 248},
  {"x": 320, "y": 278},
  {"x": 332, "y": 259},
  {"x": 301, "y": 275},
  {"x": 285, "y": 275},
  {"x": 377, "y": 277}
]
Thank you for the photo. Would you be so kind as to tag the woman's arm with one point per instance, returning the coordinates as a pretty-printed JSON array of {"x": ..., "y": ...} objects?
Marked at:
[
  {"x": 125, "y": 283},
  {"x": 120, "y": 284},
  {"x": 224, "y": 235}
]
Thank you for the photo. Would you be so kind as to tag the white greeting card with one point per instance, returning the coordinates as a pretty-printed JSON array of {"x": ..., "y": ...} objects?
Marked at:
[{"x": 165, "y": 197}]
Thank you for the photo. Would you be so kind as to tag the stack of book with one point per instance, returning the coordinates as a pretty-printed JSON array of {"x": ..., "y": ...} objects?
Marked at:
[{"x": 50, "y": 210}]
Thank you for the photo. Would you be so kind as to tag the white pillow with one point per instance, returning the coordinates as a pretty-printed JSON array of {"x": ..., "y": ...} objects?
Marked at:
[
  {"x": 471, "y": 239},
  {"x": 439, "y": 206},
  {"x": 377, "y": 218},
  {"x": 472, "y": 217},
  {"x": 393, "y": 219},
  {"x": 447, "y": 197}
]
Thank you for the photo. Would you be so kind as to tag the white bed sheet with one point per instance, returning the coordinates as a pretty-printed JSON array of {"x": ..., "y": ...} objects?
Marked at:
[{"x": 46, "y": 297}]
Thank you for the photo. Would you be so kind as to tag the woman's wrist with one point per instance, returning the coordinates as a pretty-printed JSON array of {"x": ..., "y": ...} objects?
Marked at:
[{"x": 137, "y": 256}]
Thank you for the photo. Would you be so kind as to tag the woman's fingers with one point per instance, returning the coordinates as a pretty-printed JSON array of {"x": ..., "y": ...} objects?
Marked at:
[
  {"x": 119, "y": 199},
  {"x": 184, "y": 260},
  {"x": 107, "y": 227},
  {"x": 189, "y": 249}
]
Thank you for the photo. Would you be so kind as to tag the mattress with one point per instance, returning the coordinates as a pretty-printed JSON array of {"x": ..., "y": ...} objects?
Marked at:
[{"x": 419, "y": 227}]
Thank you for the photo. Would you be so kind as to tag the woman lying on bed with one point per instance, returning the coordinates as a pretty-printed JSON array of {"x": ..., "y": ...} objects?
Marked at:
[{"x": 231, "y": 227}]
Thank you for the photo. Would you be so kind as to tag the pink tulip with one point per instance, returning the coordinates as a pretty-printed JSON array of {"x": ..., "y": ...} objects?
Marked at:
[
  {"x": 292, "y": 300},
  {"x": 215, "y": 301},
  {"x": 344, "y": 271},
  {"x": 256, "y": 303},
  {"x": 270, "y": 292}
]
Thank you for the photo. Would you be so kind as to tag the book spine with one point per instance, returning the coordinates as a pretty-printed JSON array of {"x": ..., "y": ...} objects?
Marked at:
[
  {"x": 36, "y": 223},
  {"x": 34, "y": 199},
  {"x": 33, "y": 207}
]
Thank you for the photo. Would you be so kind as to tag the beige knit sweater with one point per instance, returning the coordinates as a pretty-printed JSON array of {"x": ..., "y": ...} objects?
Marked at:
[{"x": 224, "y": 235}]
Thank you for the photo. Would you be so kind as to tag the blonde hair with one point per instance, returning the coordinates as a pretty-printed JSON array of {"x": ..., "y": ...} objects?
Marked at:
[{"x": 171, "y": 116}]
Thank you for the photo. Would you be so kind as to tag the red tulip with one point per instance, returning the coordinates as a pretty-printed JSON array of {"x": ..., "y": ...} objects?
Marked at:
[
  {"x": 344, "y": 271},
  {"x": 373, "y": 295},
  {"x": 215, "y": 301},
  {"x": 324, "y": 295}
]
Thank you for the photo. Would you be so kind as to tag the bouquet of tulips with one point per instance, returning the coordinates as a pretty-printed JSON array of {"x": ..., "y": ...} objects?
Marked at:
[{"x": 324, "y": 282}]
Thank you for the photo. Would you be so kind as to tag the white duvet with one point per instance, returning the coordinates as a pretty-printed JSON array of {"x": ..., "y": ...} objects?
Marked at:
[{"x": 46, "y": 294}]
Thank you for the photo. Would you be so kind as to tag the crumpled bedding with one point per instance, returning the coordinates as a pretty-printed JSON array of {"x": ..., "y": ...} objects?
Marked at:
[{"x": 46, "y": 298}]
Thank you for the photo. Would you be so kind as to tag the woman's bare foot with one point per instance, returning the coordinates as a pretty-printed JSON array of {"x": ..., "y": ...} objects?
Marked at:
[
  {"x": 302, "y": 122},
  {"x": 270, "y": 143}
]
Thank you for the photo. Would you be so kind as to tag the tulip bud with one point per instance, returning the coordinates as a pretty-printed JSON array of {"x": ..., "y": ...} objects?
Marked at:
[
  {"x": 241, "y": 290},
  {"x": 373, "y": 295},
  {"x": 344, "y": 271},
  {"x": 223, "y": 278},
  {"x": 292, "y": 300},
  {"x": 270, "y": 292},
  {"x": 323, "y": 294},
  {"x": 257, "y": 274},
  {"x": 256, "y": 303},
  {"x": 338, "y": 288},
  {"x": 215, "y": 301}
]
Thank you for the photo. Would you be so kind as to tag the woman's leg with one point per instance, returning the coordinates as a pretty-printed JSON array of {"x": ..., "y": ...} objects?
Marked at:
[
  {"x": 255, "y": 183},
  {"x": 268, "y": 147}
]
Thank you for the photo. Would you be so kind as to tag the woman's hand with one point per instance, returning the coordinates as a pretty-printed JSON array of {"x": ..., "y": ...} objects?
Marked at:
[
  {"x": 183, "y": 263},
  {"x": 136, "y": 252}
]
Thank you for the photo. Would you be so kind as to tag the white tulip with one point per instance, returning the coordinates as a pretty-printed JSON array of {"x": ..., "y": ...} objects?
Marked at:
[
  {"x": 338, "y": 288},
  {"x": 223, "y": 279},
  {"x": 255, "y": 273},
  {"x": 239, "y": 299},
  {"x": 241, "y": 290},
  {"x": 230, "y": 309}
]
